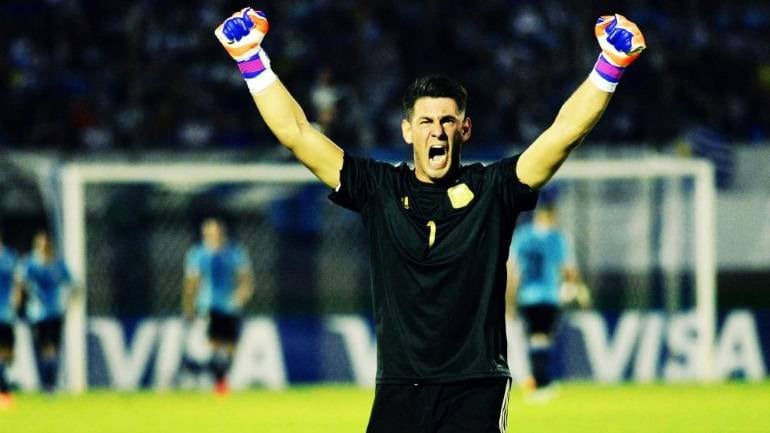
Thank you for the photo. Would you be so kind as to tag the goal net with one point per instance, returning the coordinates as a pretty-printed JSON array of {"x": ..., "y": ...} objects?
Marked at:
[{"x": 643, "y": 233}]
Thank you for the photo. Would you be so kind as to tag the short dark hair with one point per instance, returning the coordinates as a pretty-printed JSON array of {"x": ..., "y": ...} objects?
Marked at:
[{"x": 434, "y": 86}]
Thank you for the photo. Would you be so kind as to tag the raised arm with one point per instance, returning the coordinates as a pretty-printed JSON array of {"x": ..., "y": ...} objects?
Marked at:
[
  {"x": 621, "y": 42},
  {"x": 242, "y": 35}
]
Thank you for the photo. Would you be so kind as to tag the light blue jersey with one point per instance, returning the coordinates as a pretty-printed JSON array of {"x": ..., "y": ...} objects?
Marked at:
[
  {"x": 7, "y": 269},
  {"x": 218, "y": 272},
  {"x": 540, "y": 255},
  {"x": 48, "y": 286}
]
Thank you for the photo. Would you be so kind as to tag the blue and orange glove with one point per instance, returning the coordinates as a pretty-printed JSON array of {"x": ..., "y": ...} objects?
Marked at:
[
  {"x": 621, "y": 42},
  {"x": 242, "y": 36}
]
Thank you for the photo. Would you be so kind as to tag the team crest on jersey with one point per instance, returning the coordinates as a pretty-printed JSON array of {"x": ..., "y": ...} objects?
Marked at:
[
  {"x": 460, "y": 195},
  {"x": 405, "y": 202}
]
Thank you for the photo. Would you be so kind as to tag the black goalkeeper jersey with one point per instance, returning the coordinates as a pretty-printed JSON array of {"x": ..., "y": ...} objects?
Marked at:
[{"x": 438, "y": 255}]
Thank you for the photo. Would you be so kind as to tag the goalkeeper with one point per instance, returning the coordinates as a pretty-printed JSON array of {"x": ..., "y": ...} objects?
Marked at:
[{"x": 438, "y": 233}]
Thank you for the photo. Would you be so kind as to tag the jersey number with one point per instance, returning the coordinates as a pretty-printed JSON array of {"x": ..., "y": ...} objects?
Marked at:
[
  {"x": 535, "y": 265},
  {"x": 432, "y": 234}
]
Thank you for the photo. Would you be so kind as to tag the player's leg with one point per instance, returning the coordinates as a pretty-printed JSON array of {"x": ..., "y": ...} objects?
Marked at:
[
  {"x": 221, "y": 359},
  {"x": 404, "y": 408},
  {"x": 6, "y": 357},
  {"x": 541, "y": 320},
  {"x": 48, "y": 334},
  {"x": 530, "y": 317},
  {"x": 188, "y": 364},
  {"x": 479, "y": 406},
  {"x": 224, "y": 330},
  {"x": 190, "y": 368}
]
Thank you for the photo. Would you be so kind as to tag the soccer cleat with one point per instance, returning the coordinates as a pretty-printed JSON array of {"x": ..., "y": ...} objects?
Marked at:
[
  {"x": 221, "y": 388},
  {"x": 6, "y": 401},
  {"x": 528, "y": 385}
]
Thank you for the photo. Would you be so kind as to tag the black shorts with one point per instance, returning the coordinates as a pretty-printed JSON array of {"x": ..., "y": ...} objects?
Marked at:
[
  {"x": 224, "y": 327},
  {"x": 478, "y": 406},
  {"x": 7, "y": 338},
  {"x": 540, "y": 318},
  {"x": 48, "y": 332}
]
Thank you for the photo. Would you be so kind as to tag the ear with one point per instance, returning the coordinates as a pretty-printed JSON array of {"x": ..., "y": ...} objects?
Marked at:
[
  {"x": 406, "y": 131},
  {"x": 465, "y": 130}
]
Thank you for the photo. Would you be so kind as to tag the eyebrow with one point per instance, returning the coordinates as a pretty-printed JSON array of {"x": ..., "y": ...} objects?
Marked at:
[{"x": 441, "y": 119}]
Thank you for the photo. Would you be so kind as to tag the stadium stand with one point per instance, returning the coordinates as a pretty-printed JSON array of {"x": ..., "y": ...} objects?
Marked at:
[{"x": 78, "y": 75}]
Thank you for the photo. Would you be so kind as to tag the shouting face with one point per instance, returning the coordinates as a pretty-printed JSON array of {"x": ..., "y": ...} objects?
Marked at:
[{"x": 436, "y": 130}]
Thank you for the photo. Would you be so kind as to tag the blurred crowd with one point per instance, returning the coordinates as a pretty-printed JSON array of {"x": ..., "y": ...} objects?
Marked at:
[{"x": 80, "y": 75}]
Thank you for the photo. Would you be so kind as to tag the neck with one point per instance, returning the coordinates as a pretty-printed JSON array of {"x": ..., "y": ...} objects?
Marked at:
[
  {"x": 44, "y": 256},
  {"x": 448, "y": 179}
]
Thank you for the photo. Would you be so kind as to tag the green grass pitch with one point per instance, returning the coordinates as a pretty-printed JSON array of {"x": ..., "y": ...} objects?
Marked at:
[{"x": 723, "y": 408}]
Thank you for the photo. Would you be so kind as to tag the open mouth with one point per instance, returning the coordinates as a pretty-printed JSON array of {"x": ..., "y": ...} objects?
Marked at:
[{"x": 437, "y": 156}]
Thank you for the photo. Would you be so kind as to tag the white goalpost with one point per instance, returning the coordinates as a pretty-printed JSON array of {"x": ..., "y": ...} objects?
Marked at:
[
  {"x": 703, "y": 230},
  {"x": 76, "y": 178}
]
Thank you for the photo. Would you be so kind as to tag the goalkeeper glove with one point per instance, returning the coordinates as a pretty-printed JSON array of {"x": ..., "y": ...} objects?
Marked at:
[
  {"x": 621, "y": 42},
  {"x": 241, "y": 35}
]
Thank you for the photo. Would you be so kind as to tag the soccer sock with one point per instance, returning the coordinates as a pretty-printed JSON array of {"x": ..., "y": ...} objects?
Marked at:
[
  {"x": 220, "y": 363},
  {"x": 190, "y": 365},
  {"x": 4, "y": 385},
  {"x": 541, "y": 366},
  {"x": 48, "y": 372}
]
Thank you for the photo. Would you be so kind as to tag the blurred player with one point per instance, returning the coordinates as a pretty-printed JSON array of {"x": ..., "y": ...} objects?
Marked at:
[
  {"x": 48, "y": 287},
  {"x": 218, "y": 283},
  {"x": 541, "y": 266},
  {"x": 9, "y": 300},
  {"x": 439, "y": 233}
]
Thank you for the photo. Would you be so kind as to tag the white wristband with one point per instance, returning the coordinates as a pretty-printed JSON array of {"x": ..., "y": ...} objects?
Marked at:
[
  {"x": 262, "y": 81},
  {"x": 601, "y": 83}
]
